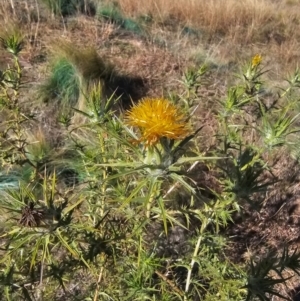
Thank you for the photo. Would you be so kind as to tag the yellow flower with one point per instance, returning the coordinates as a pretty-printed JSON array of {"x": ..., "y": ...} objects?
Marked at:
[
  {"x": 157, "y": 118},
  {"x": 256, "y": 60}
]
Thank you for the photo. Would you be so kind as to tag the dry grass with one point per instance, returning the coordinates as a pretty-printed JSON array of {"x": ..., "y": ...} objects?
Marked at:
[
  {"x": 228, "y": 30},
  {"x": 215, "y": 16}
]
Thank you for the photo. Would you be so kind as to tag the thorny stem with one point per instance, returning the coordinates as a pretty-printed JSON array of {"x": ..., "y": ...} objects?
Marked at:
[
  {"x": 170, "y": 282},
  {"x": 98, "y": 281},
  {"x": 103, "y": 262},
  {"x": 177, "y": 183},
  {"x": 104, "y": 176},
  {"x": 196, "y": 251},
  {"x": 189, "y": 275},
  {"x": 155, "y": 187}
]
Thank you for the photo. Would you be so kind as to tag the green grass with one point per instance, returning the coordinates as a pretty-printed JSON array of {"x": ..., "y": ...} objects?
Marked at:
[
  {"x": 72, "y": 74},
  {"x": 112, "y": 13},
  {"x": 63, "y": 84}
]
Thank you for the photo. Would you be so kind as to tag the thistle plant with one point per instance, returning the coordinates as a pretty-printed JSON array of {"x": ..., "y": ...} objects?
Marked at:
[
  {"x": 117, "y": 229},
  {"x": 252, "y": 76},
  {"x": 260, "y": 283},
  {"x": 191, "y": 81},
  {"x": 160, "y": 123},
  {"x": 276, "y": 131},
  {"x": 153, "y": 158},
  {"x": 12, "y": 141},
  {"x": 34, "y": 202}
]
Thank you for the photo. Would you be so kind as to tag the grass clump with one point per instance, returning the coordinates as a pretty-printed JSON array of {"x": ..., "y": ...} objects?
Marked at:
[
  {"x": 112, "y": 13},
  {"x": 63, "y": 84},
  {"x": 72, "y": 74},
  {"x": 69, "y": 7}
]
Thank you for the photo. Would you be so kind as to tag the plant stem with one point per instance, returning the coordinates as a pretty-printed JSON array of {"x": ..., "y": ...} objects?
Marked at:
[
  {"x": 98, "y": 282},
  {"x": 188, "y": 279},
  {"x": 154, "y": 190},
  {"x": 102, "y": 146}
]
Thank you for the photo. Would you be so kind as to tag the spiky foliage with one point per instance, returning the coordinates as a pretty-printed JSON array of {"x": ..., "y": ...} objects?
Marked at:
[{"x": 116, "y": 230}]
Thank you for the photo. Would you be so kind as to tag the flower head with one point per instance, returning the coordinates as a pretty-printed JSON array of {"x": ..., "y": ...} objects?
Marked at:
[
  {"x": 157, "y": 118},
  {"x": 256, "y": 60}
]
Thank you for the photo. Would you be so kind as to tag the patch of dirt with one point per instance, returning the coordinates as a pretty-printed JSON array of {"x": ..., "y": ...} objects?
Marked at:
[{"x": 275, "y": 226}]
